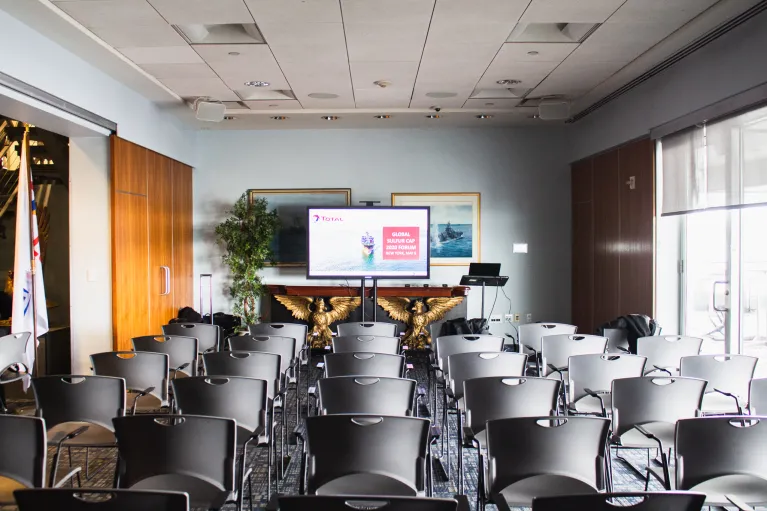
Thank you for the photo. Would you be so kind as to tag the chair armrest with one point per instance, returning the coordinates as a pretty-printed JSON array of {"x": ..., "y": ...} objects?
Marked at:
[
  {"x": 737, "y": 401},
  {"x": 598, "y": 395},
  {"x": 178, "y": 369},
  {"x": 735, "y": 501},
  {"x": 437, "y": 368},
  {"x": 650, "y": 436},
  {"x": 141, "y": 394},
  {"x": 559, "y": 370},
  {"x": 622, "y": 349},
  {"x": 210, "y": 350},
  {"x": 52, "y": 482},
  {"x": 531, "y": 348},
  {"x": 661, "y": 369},
  {"x": 434, "y": 433},
  {"x": 64, "y": 480}
]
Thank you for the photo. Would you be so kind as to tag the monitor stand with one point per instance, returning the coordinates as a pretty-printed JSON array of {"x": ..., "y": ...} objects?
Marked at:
[{"x": 472, "y": 280}]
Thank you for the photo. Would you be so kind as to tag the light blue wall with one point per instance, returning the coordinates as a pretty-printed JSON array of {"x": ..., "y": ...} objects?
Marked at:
[{"x": 523, "y": 177}]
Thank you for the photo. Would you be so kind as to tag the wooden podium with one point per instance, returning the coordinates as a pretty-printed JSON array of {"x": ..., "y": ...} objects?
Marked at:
[{"x": 274, "y": 311}]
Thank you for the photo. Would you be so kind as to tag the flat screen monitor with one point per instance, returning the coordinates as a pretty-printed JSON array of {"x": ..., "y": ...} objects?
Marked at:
[{"x": 368, "y": 242}]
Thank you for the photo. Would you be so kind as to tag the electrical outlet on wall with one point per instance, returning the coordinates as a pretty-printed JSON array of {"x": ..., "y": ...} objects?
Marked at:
[
  {"x": 495, "y": 318},
  {"x": 529, "y": 317},
  {"x": 517, "y": 317},
  {"x": 508, "y": 318}
]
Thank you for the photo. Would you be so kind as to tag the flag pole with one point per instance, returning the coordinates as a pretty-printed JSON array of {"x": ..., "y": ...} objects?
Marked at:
[{"x": 32, "y": 218}]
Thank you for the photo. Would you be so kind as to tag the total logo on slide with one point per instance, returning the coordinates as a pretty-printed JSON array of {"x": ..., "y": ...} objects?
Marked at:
[
  {"x": 323, "y": 218},
  {"x": 401, "y": 243}
]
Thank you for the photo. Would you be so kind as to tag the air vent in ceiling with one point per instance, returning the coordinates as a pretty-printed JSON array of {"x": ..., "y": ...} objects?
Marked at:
[
  {"x": 551, "y": 32},
  {"x": 536, "y": 102},
  {"x": 233, "y": 33},
  {"x": 513, "y": 93},
  {"x": 265, "y": 94}
]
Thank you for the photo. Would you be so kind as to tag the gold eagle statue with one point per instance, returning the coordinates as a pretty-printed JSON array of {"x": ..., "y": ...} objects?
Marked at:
[
  {"x": 417, "y": 336},
  {"x": 320, "y": 318}
]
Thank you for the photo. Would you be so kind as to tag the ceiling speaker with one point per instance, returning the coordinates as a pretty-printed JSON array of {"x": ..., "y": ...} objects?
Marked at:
[
  {"x": 553, "y": 109},
  {"x": 208, "y": 110}
]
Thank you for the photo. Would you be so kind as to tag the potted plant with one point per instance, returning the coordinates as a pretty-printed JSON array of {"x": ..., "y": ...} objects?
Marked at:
[{"x": 247, "y": 235}]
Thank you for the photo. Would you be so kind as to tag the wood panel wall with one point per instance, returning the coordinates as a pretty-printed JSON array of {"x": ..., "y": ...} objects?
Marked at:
[
  {"x": 613, "y": 235},
  {"x": 151, "y": 237}
]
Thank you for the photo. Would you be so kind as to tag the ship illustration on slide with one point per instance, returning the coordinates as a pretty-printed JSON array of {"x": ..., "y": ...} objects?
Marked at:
[
  {"x": 450, "y": 234},
  {"x": 368, "y": 244}
]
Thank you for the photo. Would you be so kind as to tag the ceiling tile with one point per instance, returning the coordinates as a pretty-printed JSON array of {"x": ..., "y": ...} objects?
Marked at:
[
  {"x": 547, "y": 52},
  {"x": 382, "y": 98},
  {"x": 163, "y": 71},
  {"x": 343, "y": 101},
  {"x": 129, "y": 35},
  {"x": 623, "y": 41},
  {"x": 162, "y": 55},
  {"x": 295, "y": 11},
  {"x": 306, "y": 42},
  {"x": 400, "y": 74},
  {"x": 391, "y": 42},
  {"x": 280, "y": 104},
  {"x": 569, "y": 11},
  {"x": 209, "y": 12},
  {"x": 660, "y": 11},
  {"x": 460, "y": 52},
  {"x": 254, "y": 62},
  {"x": 390, "y": 11},
  {"x": 491, "y": 104},
  {"x": 420, "y": 100},
  {"x": 479, "y": 11},
  {"x": 112, "y": 13},
  {"x": 574, "y": 78},
  {"x": 529, "y": 73},
  {"x": 469, "y": 33},
  {"x": 211, "y": 87},
  {"x": 447, "y": 72}
]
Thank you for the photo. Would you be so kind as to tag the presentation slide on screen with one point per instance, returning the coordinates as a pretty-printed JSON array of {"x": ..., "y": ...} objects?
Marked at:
[{"x": 370, "y": 242}]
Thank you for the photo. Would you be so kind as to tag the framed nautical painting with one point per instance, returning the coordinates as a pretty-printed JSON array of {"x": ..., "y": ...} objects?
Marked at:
[
  {"x": 289, "y": 244},
  {"x": 455, "y": 225}
]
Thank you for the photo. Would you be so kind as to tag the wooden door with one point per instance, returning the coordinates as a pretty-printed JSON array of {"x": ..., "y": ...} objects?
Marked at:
[
  {"x": 583, "y": 247},
  {"x": 607, "y": 241},
  {"x": 636, "y": 227},
  {"x": 160, "y": 223},
  {"x": 130, "y": 249},
  {"x": 183, "y": 263}
]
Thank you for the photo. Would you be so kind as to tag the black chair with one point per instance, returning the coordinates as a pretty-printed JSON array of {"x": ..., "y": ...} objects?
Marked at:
[
  {"x": 69, "y": 402},
  {"x": 366, "y": 455},
  {"x": 13, "y": 360},
  {"x": 187, "y": 453},
  {"x": 492, "y": 398},
  {"x": 668, "y": 501},
  {"x": 145, "y": 374},
  {"x": 543, "y": 456},
  {"x": 369, "y": 343},
  {"x": 296, "y": 331},
  {"x": 93, "y": 499},
  {"x": 379, "y": 329},
  {"x": 233, "y": 397},
  {"x": 181, "y": 351},
  {"x": 366, "y": 395},
  {"x": 208, "y": 336},
  {"x": 364, "y": 364},
  {"x": 331, "y": 503},
  {"x": 23, "y": 453}
]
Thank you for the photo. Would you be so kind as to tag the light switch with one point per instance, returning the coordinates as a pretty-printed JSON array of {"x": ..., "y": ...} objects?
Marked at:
[
  {"x": 91, "y": 275},
  {"x": 519, "y": 248}
]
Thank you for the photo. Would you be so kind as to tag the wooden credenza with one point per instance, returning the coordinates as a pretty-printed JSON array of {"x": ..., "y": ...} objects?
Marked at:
[{"x": 151, "y": 240}]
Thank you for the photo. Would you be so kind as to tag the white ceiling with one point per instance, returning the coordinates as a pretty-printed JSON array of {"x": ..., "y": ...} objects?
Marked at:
[{"x": 342, "y": 47}]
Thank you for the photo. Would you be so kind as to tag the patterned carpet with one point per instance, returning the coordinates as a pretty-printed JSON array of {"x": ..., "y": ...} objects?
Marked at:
[{"x": 101, "y": 462}]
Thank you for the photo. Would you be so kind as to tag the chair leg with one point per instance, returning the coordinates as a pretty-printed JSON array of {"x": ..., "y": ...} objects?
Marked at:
[
  {"x": 460, "y": 452},
  {"x": 480, "y": 480}
]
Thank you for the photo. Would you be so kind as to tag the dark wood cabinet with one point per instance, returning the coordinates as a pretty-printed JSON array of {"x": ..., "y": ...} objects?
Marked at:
[{"x": 613, "y": 235}]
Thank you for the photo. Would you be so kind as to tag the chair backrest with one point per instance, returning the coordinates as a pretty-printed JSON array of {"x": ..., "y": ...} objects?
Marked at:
[
  {"x": 557, "y": 349},
  {"x": 140, "y": 369},
  {"x": 646, "y": 399},
  {"x": 378, "y": 328},
  {"x": 370, "y": 343},
  {"x": 207, "y": 335},
  {"x": 297, "y": 331},
  {"x": 94, "y": 499},
  {"x": 366, "y": 455},
  {"x": 285, "y": 347},
  {"x": 448, "y": 345},
  {"x": 530, "y": 334},
  {"x": 597, "y": 372},
  {"x": 13, "y": 350},
  {"x": 667, "y": 501},
  {"x": 332, "y": 503},
  {"x": 232, "y": 397},
  {"x": 570, "y": 448},
  {"x": 364, "y": 364},
  {"x": 728, "y": 373},
  {"x": 465, "y": 366},
  {"x": 92, "y": 399},
  {"x": 180, "y": 350},
  {"x": 711, "y": 447},
  {"x": 366, "y": 395},
  {"x": 23, "y": 449},
  {"x": 487, "y": 399},
  {"x": 666, "y": 351},
  {"x": 188, "y": 453},
  {"x": 248, "y": 364},
  {"x": 757, "y": 396}
]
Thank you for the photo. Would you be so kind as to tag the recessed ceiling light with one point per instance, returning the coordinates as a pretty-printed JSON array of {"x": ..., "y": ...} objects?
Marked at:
[
  {"x": 323, "y": 95},
  {"x": 234, "y": 53},
  {"x": 508, "y": 81},
  {"x": 432, "y": 116},
  {"x": 329, "y": 118},
  {"x": 382, "y": 83},
  {"x": 383, "y": 116},
  {"x": 441, "y": 94},
  {"x": 278, "y": 118},
  {"x": 257, "y": 83},
  {"x": 229, "y": 117},
  {"x": 484, "y": 116},
  {"x": 489, "y": 104},
  {"x": 533, "y": 53}
]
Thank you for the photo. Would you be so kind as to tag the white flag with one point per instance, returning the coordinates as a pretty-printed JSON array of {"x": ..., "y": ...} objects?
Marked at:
[{"x": 27, "y": 247}]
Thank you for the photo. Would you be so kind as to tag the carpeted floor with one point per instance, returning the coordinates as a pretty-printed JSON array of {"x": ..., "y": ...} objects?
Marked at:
[{"x": 101, "y": 462}]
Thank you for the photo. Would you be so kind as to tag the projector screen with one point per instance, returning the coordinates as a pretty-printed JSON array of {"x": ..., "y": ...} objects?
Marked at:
[{"x": 374, "y": 242}]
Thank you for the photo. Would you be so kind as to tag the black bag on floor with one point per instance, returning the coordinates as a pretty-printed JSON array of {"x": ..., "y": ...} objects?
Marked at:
[{"x": 187, "y": 315}]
